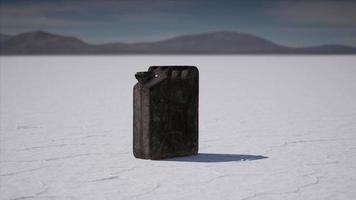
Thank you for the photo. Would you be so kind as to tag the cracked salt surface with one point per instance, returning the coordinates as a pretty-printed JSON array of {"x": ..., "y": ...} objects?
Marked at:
[{"x": 270, "y": 128}]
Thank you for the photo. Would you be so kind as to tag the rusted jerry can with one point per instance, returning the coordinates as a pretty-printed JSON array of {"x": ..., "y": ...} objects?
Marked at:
[{"x": 165, "y": 118}]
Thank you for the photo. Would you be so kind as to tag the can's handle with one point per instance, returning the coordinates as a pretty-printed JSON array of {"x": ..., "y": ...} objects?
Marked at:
[{"x": 144, "y": 77}]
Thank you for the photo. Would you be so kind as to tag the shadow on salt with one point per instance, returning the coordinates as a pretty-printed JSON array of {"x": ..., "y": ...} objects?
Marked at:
[{"x": 216, "y": 157}]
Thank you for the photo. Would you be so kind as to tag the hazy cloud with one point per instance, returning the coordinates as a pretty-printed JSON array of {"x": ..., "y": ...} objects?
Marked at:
[
  {"x": 37, "y": 16},
  {"x": 80, "y": 13},
  {"x": 324, "y": 12}
]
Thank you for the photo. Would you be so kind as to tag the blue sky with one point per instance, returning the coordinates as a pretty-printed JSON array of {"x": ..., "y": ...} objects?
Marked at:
[{"x": 293, "y": 23}]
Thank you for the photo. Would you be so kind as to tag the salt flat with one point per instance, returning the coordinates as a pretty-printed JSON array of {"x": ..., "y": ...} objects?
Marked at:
[{"x": 271, "y": 127}]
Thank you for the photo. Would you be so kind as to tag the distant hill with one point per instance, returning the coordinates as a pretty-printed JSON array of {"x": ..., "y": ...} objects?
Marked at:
[
  {"x": 208, "y": 43},
  {"x": 40, "y": 42},
  {"x": 326, "y": 49},
  {"x": 221, "y": 42},
  {"x": 4, "y": 37}
]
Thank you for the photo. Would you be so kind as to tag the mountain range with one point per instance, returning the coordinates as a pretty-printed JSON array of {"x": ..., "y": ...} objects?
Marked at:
[{"x": 220, "y": 42}]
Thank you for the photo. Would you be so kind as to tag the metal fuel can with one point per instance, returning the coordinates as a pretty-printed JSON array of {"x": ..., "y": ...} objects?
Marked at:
[{"x": 165, "y": 112}]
